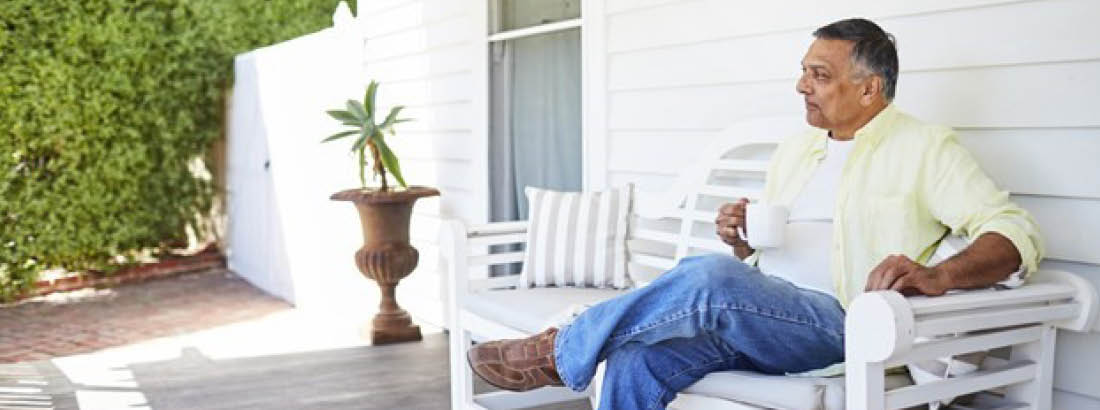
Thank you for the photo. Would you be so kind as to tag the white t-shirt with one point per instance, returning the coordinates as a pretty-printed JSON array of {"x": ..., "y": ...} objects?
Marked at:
[{"x": 804, "y": 257}]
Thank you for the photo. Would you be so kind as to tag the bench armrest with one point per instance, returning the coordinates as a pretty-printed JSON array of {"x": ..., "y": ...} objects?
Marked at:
[
  {"x": 465, "y": 249},
  {"x": 883, "y": 326}
]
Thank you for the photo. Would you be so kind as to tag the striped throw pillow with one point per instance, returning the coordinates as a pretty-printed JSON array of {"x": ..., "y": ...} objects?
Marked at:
[{"x": 577, "y": 238}]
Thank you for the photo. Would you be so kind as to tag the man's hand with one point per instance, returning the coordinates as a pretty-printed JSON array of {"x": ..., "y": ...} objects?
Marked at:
[
  {"x": 731, "y": 217},
  {"x": 898, "y": 272}
]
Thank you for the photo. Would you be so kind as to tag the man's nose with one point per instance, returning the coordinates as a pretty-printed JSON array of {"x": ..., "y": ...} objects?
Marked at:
[{"x": 801, "y": 87}]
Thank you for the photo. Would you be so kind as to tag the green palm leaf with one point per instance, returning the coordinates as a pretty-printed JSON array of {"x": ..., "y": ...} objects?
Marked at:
[
  {"x": 356, "y": 109},
  {"x": 343, "y": 116},
  {"x": 339, "y": 135},
  {"x": 368, "y": 99},
  {"x": 392, "y": 116},
  {"x": 389, "y": 160}
]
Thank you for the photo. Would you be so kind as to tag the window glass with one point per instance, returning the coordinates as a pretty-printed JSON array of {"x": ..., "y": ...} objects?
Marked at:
[{"x": 516, "y": 14}]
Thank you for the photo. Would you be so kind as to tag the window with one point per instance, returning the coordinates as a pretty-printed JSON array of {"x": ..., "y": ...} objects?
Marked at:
[{"x": 534, "y": 101}]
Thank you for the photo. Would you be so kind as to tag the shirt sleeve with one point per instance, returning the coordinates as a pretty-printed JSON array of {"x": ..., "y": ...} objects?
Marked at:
[{"x": 961, "y": 196}]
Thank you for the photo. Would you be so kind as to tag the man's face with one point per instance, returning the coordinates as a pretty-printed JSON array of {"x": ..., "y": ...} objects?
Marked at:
[{"x": 831, "y": 96}]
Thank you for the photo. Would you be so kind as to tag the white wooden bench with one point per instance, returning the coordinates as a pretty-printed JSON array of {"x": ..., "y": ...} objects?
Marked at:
[{"x": 882, "y": 328}]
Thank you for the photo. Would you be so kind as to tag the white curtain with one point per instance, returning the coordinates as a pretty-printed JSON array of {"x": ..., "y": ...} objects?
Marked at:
[{"x": 535, "y": 131}]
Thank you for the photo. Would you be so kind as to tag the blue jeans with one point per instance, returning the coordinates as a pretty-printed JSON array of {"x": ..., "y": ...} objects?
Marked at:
[{"x": 709, "y": 313}]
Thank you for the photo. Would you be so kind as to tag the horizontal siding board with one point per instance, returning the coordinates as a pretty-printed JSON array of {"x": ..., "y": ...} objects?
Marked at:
[
  {"x": 1007, "y": 96},
  {"x": 412, "y": 15},
  {"x": 664, "y": 152},
  {"x": 454, "y": 30},
  {"x": 449, "y": 88},
  {"x": 645, "y": 182},
  {"x": 1070, "y": 401},
  {"x": 1039, "y": 161},
  {"x": 439, "y": 118},
  {"x": 1070, "y": 226},
  {"x": 699, "y": 108},
  {"x": 976, "y": 37},
  {"x": 432, "y": 145},
  {"x": 367, "y": 7},
  {"x": 712, "y": 19},
  {"x": 622, "y": 6},
  {"x": 435, "y": 62},
  {"x": 445, "y": 174}
]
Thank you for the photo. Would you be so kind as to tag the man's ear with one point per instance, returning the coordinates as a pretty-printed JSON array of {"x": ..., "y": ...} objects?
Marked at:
[{"x": 870, "y": 89}]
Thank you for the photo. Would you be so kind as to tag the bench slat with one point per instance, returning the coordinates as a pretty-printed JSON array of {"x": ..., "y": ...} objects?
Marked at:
[
  {"x": 741, "y": 165},
  {"x": 495, "y": 259},
  {"x": 499, "y": 239},
  {"x": 965, "y": 344},
  {"x": 496, "y": 228},
  {"x": 1032, "y": 292},
  {"x": 652, "y": 261},
  {"x": 980, "y": 380},
  {"x": 991, "y": 318},
  {"x": 729, "y": 192}
]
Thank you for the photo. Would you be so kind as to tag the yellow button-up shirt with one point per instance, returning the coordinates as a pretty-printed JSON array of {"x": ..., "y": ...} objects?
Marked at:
[{"x": 904, "y": 187}]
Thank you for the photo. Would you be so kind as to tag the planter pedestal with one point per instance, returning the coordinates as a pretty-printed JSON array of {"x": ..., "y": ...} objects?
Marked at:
[{"x": 386, "y": 256}]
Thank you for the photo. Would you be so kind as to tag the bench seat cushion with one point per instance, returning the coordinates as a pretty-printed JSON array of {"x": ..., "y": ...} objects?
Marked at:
[
  {"x": 532, "y": 309},
  {"x": 780, "y": 392}
]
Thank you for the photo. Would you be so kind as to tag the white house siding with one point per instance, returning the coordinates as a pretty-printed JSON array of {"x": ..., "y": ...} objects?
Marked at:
[
  {"x": 421, "y": 51},
  {"x": 1017, "y": 79}
]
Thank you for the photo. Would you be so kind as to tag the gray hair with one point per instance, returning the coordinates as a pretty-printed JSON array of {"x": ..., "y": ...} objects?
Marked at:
[{"x": 873, "y": 49}]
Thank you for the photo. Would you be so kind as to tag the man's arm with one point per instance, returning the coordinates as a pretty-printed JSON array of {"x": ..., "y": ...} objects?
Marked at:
[
  {"x": 988, "y": 260},
  {"x": 962, "y": 197}
]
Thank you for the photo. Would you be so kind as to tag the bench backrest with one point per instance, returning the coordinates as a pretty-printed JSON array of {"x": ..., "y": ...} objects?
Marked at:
[{"x": 679, "y": 223}]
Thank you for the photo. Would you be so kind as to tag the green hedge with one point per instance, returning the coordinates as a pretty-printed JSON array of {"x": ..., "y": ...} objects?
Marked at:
[{"x": 104, "y": 105}]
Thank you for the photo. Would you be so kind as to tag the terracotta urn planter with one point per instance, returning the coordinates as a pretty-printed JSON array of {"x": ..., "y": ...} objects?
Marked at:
[{"x": 386, "y": 256}]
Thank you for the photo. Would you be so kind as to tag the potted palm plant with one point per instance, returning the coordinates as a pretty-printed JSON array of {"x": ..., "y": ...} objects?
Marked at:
[{"x": 384, "y": 212}]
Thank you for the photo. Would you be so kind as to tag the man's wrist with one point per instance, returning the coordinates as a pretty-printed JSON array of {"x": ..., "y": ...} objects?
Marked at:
[{"x": 944, "y": 276}]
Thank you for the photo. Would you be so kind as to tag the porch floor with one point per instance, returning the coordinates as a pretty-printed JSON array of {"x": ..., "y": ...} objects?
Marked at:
[{"x": 279, "y": 359}]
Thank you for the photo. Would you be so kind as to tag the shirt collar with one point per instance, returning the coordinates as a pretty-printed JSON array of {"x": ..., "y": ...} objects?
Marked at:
[{"x": 870, "y": 133}]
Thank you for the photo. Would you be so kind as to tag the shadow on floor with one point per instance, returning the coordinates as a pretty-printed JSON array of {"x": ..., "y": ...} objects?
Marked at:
[{"x": 402, "y": 376}]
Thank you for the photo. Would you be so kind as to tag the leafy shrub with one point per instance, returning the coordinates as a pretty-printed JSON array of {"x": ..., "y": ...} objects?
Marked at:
[{"x": 106, "y": 107}]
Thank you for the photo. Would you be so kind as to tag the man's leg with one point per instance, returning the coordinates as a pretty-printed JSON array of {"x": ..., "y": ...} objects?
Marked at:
[
  {"x": 639, "y": 376},
  {"x": 773, "y": 324}
]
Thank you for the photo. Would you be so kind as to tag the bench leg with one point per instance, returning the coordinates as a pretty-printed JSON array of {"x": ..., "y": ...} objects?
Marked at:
[
  {"x": 462, "y": 382},
  {"x": 1037, "y": 392},
  {"x": 864, "y": 386}
]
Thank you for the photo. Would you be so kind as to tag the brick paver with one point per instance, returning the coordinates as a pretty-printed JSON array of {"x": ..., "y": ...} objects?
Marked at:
[{"x": 82, "y": 321}]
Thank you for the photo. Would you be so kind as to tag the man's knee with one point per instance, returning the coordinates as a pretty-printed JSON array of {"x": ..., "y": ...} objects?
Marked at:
[{"x": 708, "y": 271}]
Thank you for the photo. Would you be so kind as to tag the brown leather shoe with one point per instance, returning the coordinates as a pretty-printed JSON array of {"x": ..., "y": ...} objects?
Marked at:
[{"x": 517, "y": 364}]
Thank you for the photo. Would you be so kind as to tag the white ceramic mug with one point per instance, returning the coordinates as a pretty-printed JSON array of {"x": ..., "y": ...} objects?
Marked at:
[{"x": 766, "y": 224}]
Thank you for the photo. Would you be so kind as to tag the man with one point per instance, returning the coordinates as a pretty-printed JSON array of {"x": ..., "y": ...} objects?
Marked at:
[{"x": 871, "y": 191}]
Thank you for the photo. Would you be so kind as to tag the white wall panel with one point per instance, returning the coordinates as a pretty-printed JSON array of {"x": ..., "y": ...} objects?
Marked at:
[
  {"x": 449, "y": 88},
  {"x": 438, "y": 117},
  {"x": 979, "y": 37},
  {"x": 1067, "y": 400},
  {"x": 443, "y": 174},
  {"x": 1005, "y": 96},
  {"x": 420, "y": 145},
  {"x": 439, "y": 61},
  {"x": 692, "y": 21},
  {"x": 408, "y": 16},
  {"x": 453, "y": 30},
  {"x": 1069, "y": 225},
  {"x": 655, "y": 151},
  {"x": 1039, "y": 161}
]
